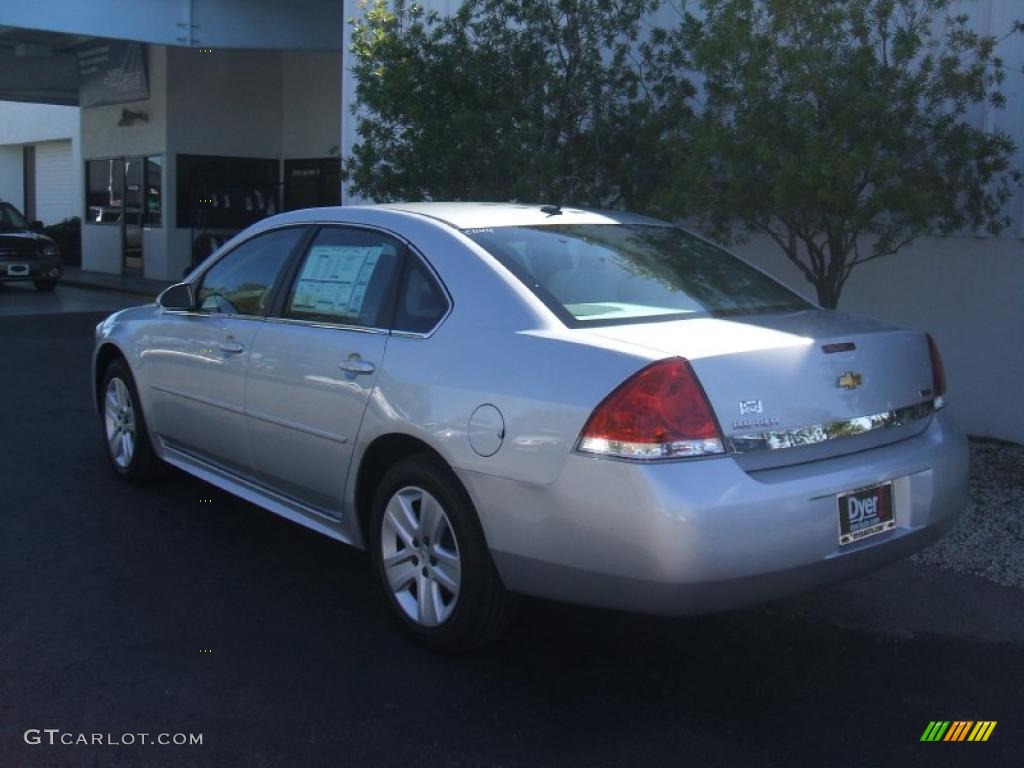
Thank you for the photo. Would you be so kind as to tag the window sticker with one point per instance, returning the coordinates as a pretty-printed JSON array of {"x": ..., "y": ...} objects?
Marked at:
[{"x": 334, "y": 279}]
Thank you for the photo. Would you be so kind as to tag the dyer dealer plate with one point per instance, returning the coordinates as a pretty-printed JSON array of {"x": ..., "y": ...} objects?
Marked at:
[{"x": 865, "y": 512}]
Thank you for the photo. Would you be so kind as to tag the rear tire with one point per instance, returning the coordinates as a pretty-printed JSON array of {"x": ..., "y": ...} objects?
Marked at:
[
  {"x": 445, "y": 591},
  {"x": 46, "y": 286},
  {"x": 123, "y": 426}
]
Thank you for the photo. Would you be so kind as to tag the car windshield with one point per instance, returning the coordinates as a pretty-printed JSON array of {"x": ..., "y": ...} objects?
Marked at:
[
  {"x": 11, "y": 218},
  {"x": 605, "y": 274}
]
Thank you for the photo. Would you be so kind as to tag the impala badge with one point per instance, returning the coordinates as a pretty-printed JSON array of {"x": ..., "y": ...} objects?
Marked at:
[{"x": 850, "y": 380}]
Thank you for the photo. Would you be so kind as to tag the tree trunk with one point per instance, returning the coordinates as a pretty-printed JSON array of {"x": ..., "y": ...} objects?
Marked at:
[{"x": 828, "y": 295}]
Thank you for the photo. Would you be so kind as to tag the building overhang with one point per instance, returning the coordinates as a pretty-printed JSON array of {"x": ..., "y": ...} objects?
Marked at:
[{"x": 38, "y": 37}]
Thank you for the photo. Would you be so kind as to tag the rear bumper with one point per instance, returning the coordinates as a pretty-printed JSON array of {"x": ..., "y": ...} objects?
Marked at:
[{"x": 703, "y": 536}]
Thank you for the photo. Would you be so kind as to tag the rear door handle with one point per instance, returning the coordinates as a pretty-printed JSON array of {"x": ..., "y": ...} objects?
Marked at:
[
  {"x": 357, "y": 365},
  {"x": 231, "y": 347}
]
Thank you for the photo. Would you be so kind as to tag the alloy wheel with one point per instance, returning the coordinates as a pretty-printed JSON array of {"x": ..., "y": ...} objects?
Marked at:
[
  {"x": 119, "y": 420},
  {"x": 420, "y": 556}
]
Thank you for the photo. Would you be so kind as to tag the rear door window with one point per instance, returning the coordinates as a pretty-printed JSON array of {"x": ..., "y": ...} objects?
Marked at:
[
  {"x": 421, "y": 302},
  {"x": 347, "y": 277}
]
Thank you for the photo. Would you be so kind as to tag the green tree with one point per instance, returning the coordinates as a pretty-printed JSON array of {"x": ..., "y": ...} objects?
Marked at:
[
  {"x": 540, "y": 100},
  {"x": 843, "y": 129}
]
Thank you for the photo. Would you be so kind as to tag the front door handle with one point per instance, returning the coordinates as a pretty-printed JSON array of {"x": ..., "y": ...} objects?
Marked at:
[
  {"x": 231, "y": 347},
  {"x": 357, "y": 365}
]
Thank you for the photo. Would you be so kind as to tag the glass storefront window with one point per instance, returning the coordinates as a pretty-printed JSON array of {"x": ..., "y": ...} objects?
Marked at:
[
  {"x": 226, "y": 192},
  {"x": 154, "y": 191},
  {"x": 116, "y": 184},
  {"x": 310, "y": 183},
  {"x": 104, "y": 191}
]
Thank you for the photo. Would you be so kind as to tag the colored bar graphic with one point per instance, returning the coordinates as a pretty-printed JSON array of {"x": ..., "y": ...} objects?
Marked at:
[
  {"x": 935, "y": 730},
  {"x": 958, "y": 730},
  {"x": 953, "y": 730}
]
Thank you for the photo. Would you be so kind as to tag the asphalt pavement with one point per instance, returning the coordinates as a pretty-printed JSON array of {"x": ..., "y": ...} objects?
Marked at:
[
  {"x": 22, "y": 298},
  {"x": 176, "y": 608}
]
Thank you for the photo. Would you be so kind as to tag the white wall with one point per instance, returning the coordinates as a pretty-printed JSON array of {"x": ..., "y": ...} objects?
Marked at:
[
  {"x": 311, "y": 104},
  {"x": 22, "y": 123},
  {"x": 968, "y": 292},
  {"x": 57, "y": 193},
  {"x": 224, "y": 102},
  {"x": 54, "y": 130}
]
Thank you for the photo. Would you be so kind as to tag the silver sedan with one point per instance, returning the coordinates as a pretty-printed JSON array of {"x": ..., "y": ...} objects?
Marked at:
[{"x": 495, "y": 399}]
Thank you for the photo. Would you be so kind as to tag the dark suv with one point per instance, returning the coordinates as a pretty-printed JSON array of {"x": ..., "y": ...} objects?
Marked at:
[{"x": 25, "y": 253}]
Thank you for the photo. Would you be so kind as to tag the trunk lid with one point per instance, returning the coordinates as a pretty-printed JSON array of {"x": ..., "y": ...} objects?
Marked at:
[{"x": 815, "y": 383}]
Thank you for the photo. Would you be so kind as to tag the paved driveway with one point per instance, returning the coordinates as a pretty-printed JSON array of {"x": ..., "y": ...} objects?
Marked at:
[
  {"x": 177, "y": 608},
  {"x": 24, "y": 299}
]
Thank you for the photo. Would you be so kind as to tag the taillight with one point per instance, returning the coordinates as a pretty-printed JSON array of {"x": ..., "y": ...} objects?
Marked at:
[
  {"x": 661, "y": 412},
  {"x": 938, "y": 374}
]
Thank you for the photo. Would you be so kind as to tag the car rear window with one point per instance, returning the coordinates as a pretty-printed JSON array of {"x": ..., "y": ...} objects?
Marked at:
[{"x": 606, "y": 274}]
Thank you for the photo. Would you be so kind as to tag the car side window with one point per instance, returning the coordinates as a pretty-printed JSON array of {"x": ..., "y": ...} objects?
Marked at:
[
  {"x": 421, "y": 303},
  {"x": 242, "y": 282},
  {"x": 347, "y": 277}
]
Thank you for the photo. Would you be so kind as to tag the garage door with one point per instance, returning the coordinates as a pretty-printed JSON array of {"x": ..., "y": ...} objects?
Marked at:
[{"x": 54, "y": 188}]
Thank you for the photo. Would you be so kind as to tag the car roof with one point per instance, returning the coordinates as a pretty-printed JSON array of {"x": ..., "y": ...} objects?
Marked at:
[{"x": 482, "y": 215}]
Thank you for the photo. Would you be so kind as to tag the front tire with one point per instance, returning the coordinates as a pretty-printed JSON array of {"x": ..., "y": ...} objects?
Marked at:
[
  {"x": 432, "y": 561},
  {"x": 45, "y": 286},
  {"x": 125, "y": 434}
]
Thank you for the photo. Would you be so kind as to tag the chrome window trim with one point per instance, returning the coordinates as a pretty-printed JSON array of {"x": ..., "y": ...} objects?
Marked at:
[
  {"x": 814, "y": 434},
  {"x": 200, "y": 313},
  {"x": 331, "y": 326}
]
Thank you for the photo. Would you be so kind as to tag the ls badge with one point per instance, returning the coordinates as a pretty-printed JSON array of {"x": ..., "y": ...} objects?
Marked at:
[{"x": 850, "y": 380}]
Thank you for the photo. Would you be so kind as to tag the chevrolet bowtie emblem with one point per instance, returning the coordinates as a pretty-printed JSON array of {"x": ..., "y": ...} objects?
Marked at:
[{"x": 850, "y": 380}]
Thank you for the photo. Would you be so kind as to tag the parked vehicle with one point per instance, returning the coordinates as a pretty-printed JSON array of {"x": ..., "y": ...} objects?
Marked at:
[
  {"x": 598, "y": 408},
  {"x": 25, "y": 253}
]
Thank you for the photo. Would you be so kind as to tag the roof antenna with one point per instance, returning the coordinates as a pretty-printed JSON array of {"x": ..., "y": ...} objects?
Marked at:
[{"x": 551, "y": 210}]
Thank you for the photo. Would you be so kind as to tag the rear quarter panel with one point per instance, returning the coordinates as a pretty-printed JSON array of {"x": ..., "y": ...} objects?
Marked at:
[{"x": 544, "y": 386}]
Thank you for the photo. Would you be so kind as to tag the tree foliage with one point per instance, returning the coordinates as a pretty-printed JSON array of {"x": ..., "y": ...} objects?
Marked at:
[
  {"x": 844, "y": 129},
  {"x": 507, "y": 100}
]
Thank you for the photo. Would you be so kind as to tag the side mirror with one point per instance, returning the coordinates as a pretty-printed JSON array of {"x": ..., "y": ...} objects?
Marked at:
[
  {"x": 179, "y": 296},
  {"x": 36, "y": 226}
]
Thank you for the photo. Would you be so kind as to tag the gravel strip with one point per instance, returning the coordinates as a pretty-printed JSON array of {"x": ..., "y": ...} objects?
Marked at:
[{"x": 989, "y": 539}]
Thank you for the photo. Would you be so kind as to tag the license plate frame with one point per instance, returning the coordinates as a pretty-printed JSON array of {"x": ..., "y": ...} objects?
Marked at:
[
  {"x": 17, "y": 270},
  {"x": 865, "y": 518}
]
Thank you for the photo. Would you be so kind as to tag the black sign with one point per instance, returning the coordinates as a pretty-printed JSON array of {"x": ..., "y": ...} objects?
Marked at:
[{"x": 111, "y": 72}]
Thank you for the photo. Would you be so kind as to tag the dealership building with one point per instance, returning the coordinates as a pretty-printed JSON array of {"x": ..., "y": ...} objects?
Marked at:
[
  {"x": 169, "y": 125},
  {"x": 195, "y": 118}
]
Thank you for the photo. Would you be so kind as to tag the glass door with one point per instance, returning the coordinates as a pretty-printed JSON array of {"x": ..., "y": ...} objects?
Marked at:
[{"x": 125, "y": 193}]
